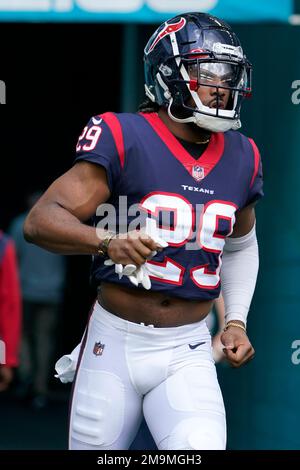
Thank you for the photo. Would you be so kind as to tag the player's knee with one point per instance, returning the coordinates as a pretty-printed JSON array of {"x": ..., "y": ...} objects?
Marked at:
[
  {"x": 196, "y": 434},
  {"x": 98, "y": 409}
]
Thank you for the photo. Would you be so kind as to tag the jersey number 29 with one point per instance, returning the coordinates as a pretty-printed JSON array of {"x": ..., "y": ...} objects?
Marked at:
[{"x": 208, "y": 237}]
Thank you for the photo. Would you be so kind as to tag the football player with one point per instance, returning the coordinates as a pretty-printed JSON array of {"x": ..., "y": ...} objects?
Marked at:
[{"x": 188, "y": 181}]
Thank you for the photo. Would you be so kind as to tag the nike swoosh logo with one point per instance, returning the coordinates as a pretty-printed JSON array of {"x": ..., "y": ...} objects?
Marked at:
[{"x": 194, "y": 346}]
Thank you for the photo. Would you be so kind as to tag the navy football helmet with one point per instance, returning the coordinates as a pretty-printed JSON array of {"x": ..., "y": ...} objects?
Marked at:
[{"x": 195, "y": 50}]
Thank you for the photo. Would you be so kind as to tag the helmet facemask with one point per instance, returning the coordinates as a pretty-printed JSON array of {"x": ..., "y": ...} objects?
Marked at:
[{"x": 228, "y": 81}]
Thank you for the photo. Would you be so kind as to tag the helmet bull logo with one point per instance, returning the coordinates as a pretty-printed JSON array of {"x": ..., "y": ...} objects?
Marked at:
[{"x": 168, "y": 29}]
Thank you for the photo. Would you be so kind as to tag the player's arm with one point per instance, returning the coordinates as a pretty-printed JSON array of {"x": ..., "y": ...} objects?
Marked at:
[
  {"x": 240, "y": 267},
  {"x": 56, "y": 221},
  {"x": 245, "y": 221},
  {"x": 239, "y": 273}
]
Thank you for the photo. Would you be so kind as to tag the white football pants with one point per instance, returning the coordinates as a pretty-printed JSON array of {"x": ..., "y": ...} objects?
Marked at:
[{"x": 167, "y": 374}]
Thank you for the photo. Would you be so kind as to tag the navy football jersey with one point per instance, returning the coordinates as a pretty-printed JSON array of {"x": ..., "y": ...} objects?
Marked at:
[{"x": 191, "y": 203}]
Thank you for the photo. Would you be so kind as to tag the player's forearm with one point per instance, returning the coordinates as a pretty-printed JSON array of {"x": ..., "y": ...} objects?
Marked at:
[
  {"x": 238, "y": 275},
  {"x": 54, "y": 228}
]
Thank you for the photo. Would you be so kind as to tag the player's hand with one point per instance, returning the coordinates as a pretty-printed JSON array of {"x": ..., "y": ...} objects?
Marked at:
[
  {"x": 237, "y": 347},
  {"x": 134, "y": 248},
  {"x": 6, "y": 376}
]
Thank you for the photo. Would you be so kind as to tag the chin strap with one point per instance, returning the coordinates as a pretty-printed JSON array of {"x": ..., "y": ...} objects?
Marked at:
[
  {"x": 215, "y": 124},
  {"x": 210, "y": 123}
]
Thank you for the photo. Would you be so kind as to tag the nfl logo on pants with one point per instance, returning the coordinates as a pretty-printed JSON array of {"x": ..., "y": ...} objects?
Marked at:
[{"x": 98, "y": 348}]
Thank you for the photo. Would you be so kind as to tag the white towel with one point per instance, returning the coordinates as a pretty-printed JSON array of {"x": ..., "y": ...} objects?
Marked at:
[{"x": 66, "y": 366}]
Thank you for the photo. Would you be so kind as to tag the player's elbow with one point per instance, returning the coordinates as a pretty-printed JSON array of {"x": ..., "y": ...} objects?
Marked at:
[{"x": 30, "y": 227}]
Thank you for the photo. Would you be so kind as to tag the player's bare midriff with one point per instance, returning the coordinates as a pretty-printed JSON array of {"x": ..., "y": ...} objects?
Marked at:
[{"x": 151, "y": 308}]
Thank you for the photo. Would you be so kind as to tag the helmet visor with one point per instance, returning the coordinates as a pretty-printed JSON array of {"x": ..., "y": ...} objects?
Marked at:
[{"x": 216, "y": 73}]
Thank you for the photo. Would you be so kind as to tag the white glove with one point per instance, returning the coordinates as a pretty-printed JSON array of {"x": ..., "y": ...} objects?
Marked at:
[
  {"x": 66, "y": 366},
  {"x": 139, "y": 275}
]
